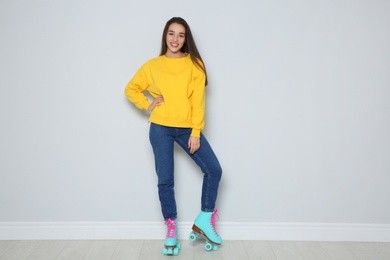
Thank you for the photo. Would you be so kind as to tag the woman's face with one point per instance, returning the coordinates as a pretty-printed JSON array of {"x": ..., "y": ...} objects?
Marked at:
[{"x": 175, "y": 40}]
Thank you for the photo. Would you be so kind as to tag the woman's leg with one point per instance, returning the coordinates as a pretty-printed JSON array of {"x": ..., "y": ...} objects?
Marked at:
[
  {"x": 162, "y": 141},
  {"x": 208, "y": 163},
  {"x": 205, "y": 158}
]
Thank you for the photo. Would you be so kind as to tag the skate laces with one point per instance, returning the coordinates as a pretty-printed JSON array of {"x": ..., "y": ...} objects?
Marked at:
[
  {"x": 214, "y": 220},
  {"x": 171, "y": 224}
]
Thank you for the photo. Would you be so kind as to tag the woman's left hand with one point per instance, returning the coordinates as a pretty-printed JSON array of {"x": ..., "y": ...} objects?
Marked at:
[{"x": 193, "y": 144}]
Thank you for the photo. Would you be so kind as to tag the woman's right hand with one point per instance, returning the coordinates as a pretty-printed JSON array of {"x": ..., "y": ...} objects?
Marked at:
[{"x": 156, "y": 102}]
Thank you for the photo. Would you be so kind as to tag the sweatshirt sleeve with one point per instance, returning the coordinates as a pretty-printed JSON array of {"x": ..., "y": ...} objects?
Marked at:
[
  {"x": 136, "y": 86},
  {"x": 198, "y": 104}
]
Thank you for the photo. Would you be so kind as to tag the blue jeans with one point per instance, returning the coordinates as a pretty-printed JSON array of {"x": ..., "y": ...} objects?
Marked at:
[{"x": 162, "y": 139}]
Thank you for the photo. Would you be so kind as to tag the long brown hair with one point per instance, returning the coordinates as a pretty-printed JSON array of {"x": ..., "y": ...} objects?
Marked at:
[{"x": 189, "y": 44}]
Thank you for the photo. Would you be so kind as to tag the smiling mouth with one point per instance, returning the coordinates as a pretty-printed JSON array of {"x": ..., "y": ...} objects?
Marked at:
[{"x": 174, "y": 45}]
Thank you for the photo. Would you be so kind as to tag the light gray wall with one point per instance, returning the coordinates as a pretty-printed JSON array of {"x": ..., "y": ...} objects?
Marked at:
[{"x": 298, "y": 110}]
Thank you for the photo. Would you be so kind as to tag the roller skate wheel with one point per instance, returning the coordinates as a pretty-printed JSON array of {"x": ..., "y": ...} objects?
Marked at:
[
  {"x": 167, "y": 251},
  {"x": 192, "y": 237},
  {"x": 215, "y": 248},
  {"x": 176, "y": 251},
  {"x": 172, "y": 250},
  {"x": 208, "y": 246}
]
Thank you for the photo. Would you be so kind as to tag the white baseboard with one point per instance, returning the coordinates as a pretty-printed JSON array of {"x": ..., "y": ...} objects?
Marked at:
[{"x": 228, "y": 230}]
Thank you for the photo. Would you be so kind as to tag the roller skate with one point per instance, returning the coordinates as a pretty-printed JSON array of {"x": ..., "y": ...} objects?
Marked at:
[
  {"x": 205, "y": 225},
  {"x": 171, "y": 247}
]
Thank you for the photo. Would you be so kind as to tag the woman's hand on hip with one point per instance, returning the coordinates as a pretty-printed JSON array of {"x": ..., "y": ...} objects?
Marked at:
[
  {"x": 193, "y": 144},
  {"x": 156, "y": 102}
]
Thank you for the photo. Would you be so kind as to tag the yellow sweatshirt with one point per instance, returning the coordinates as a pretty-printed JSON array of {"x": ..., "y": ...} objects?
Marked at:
[{"x": 180, "y": 83}]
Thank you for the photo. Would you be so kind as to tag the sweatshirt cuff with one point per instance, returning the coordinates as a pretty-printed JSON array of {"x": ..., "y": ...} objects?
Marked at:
[
  {"x": 145, "y": 105},
  {"x": 195, "y": 133}
]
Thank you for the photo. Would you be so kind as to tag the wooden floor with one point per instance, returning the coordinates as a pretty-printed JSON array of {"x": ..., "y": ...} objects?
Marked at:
[{"x": 152, "y": 249}]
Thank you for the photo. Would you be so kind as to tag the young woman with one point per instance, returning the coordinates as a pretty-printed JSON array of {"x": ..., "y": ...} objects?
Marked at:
[{"x": 176, "y": 79}]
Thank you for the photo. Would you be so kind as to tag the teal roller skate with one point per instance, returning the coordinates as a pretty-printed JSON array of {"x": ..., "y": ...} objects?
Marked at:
[
  {"x": 171, "y": 247},
  {"x": 205, "y": 225}
]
